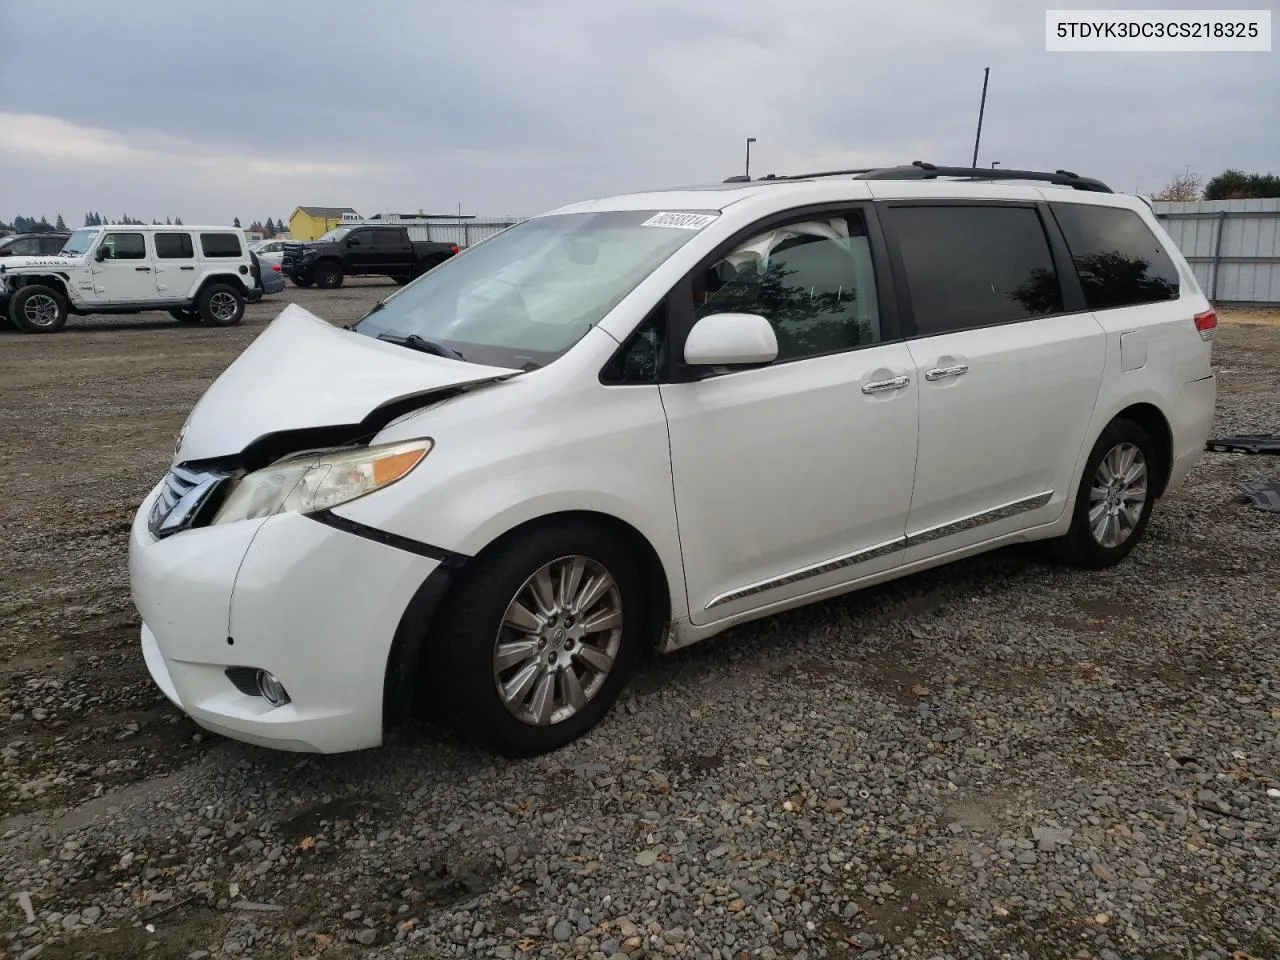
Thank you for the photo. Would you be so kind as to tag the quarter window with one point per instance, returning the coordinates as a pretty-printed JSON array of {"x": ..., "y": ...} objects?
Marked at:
[
  {"x": 813, "y": 280},
  {"x": 220, "y": 244},
  {"x": 124, "y": 246},
  {"x": 174, "y": 246},
  {"x": 1118, "y": 258},
  {"x": 643, "y": 356},
  {"x": 972, "y": 266}
]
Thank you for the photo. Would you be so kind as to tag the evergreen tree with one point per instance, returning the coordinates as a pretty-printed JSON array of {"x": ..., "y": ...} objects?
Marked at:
[
  {"x": 271, "y": 227},
  {"x": 236, "y": 224},
  {"x": 60, "y": 224},
  {"x": 168, "y": 222},
  {"x": 177, "y": 221}
]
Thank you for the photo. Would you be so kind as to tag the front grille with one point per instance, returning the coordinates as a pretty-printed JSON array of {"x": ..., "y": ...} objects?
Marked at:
[{"x": 184, "y": 493}]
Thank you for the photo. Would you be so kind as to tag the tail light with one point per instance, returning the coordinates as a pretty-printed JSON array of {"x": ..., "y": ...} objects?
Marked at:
[
  {"x": 1206, "y": 323},
  {"x": 453, "y": 249},
  {"x": 275, "y": 267}
]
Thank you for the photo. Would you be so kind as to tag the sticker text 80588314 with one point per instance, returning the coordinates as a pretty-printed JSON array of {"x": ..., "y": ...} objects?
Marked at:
[{"x": 681, "y": 221}]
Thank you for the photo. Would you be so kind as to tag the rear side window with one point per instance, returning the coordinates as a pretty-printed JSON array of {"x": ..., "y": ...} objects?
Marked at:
[
  {"x": 52, "y": 244},
  {"x": 26, "y": 247},
  {"x": 1118, "y": 258},
  {"x": 174, "y": 246},
  {"x": 220, "y": 244},
  {"x": 975, "y": 266},
  {"x": 387, "y": 238}
]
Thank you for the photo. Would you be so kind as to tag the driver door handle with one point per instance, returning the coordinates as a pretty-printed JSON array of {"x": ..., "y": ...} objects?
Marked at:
[
  {"x": 939, "y": 373},
  {"x": 880, "y": 386},
  {"x": 143, "y": 269}
]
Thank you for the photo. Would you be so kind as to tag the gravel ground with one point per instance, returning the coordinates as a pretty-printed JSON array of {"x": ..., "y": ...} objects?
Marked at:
[{"x": 1000, "y": 759}]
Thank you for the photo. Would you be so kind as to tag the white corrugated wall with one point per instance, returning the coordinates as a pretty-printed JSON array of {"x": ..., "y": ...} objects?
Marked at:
[{"x": 1232, "y": 245}]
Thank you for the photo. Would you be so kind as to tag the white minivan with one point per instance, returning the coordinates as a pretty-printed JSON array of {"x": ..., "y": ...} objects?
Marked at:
[{"x": 641, "y": 420}]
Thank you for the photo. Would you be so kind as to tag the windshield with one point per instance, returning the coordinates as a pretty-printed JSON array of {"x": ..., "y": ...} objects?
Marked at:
[
  {"x": 337, "y": 233},
  {"x": 526, "y": 295},
  {"x": 79, "y": 242}
]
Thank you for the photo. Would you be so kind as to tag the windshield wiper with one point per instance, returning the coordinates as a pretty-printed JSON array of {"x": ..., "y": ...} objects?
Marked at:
[{"x": 415, "y": 342}]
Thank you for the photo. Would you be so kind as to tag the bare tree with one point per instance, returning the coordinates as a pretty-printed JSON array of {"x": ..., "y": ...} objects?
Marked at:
[{"x": 1183, "y": 187}]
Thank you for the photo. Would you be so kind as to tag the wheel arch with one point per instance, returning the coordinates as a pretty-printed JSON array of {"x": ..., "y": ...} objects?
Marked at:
[
  {"x": 414, "y": 633},
  {"x": 228, "y": 278},
  {"x": 1151, "y": 419},
  {"x": 55, "y": 281}
]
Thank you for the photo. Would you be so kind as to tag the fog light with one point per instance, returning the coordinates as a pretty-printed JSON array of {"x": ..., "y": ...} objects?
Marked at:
[{"x": 272, "y": 690}]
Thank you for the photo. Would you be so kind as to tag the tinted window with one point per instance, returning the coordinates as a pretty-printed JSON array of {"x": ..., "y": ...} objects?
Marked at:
[
  {"x": 174, "y": 246},
  {"x": 812, "y": 280},
  {"x": 1119, "y": 260},
  {"x": 124, "y": 246},
  {"x": 52, "y": 244},
  {"x": 220, "y": 244},
  {"x": 387, "y": 238},
  {"x": 26, "y": 247},
  {"x": 972, "y": 266}
]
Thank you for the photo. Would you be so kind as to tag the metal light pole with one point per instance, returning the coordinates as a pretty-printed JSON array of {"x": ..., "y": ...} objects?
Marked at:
[
  {"x": 986, "y": 73},
  {"x": 750, "y": 141}
]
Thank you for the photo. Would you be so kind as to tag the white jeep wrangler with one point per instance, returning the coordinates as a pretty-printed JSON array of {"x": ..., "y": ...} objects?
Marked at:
[{"x": 197, "y": 274}]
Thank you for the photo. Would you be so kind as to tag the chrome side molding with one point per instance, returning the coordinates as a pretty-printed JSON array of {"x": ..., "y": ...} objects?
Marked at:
[{"x": 995, "y": 514}]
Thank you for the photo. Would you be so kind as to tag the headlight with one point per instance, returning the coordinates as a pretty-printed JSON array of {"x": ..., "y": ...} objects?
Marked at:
[{"x": 310, "y": 484}]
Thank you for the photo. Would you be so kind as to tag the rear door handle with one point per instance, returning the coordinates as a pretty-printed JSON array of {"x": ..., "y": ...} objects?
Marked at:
[
  {"x": 940, "y": 373},
  {"x": 143, "y": 269},
  {"x": 186, "y": 268},
  {"x": 880, "y": 386}
]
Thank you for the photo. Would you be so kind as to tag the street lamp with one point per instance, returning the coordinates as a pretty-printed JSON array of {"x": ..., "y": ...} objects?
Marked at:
[{"x": 750, "y": 141}]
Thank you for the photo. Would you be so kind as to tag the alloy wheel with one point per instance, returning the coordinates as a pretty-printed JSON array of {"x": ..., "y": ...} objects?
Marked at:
[
  {"x": 40, "y": 310},
  {"x": 1117, "y": 495},
  {"x": 558, "y": 642},
  {"x": 222, "y": 306}
]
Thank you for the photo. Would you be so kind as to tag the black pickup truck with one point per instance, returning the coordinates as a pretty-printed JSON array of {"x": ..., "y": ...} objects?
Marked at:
[{"x": 358, "y": 250}]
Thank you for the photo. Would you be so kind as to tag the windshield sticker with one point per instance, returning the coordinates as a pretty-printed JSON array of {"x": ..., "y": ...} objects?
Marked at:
[{"x": 681, "y": 221}]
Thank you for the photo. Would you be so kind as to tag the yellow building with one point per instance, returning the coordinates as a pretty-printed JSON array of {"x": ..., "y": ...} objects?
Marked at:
[{"x": 307, "y": 223}]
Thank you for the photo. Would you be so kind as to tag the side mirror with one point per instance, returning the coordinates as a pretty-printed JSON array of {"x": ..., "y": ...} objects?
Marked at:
[
  {"x": 100, "y": 254},
  {"x": 730, "y": 339}
]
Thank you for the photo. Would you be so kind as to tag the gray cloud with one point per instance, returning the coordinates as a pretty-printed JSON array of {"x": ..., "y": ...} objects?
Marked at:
[{"x": 248, "y": 109}]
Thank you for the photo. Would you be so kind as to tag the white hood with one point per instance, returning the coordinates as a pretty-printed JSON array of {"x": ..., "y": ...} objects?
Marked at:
[
  {"x": 41, "y": 264},
  {"x": 302, "y": 372}
]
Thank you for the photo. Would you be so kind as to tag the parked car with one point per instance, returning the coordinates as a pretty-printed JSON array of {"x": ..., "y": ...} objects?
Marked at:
[
  {"x": 640, "y": 421},
  {"x": 269, "y": 247},
  {"x": 349, "y": 251},
  {"x": 192, "y": 272},
  {"x": 32, "y": 244}
]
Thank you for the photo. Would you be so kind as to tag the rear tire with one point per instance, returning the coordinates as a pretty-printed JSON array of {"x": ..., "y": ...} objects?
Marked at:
[
  {"x": 38, "y": 309},
  {"x": 329, "y": 275},
  {"x": 1115, "y": 498},
  {"x": 598, "y": 649},
  {"x": 221, "y": 305}
]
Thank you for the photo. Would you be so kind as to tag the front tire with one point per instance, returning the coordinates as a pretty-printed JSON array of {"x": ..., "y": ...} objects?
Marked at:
[
  {"x": 38, "y": 309},
  {"x": 221, "y": 304},
  {"x": 185, "y": 315},
  {"x": 539, "y": 639},
  {"x": 329, "y": 275},
  {"x": 1113, "y": 504},
  {"x": 302, "y": 280}
]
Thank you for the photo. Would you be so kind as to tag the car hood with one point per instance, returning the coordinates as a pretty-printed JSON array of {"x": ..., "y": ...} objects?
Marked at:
[
  {"x": 303, "y": 374},
  {"x": 13, "y": 264}
]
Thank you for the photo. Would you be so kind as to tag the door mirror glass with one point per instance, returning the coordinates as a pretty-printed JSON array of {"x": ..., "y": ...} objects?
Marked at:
[
  {"x": 101, "y": 253},
  {"x": 730, "y": 339}
]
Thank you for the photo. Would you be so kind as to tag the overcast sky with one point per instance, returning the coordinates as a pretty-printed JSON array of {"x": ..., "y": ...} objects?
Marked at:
[{"x": 248, "y": 109}]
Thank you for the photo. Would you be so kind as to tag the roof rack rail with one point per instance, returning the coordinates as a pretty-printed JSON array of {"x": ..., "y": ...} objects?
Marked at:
[{"x": 921, "y": 170}]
